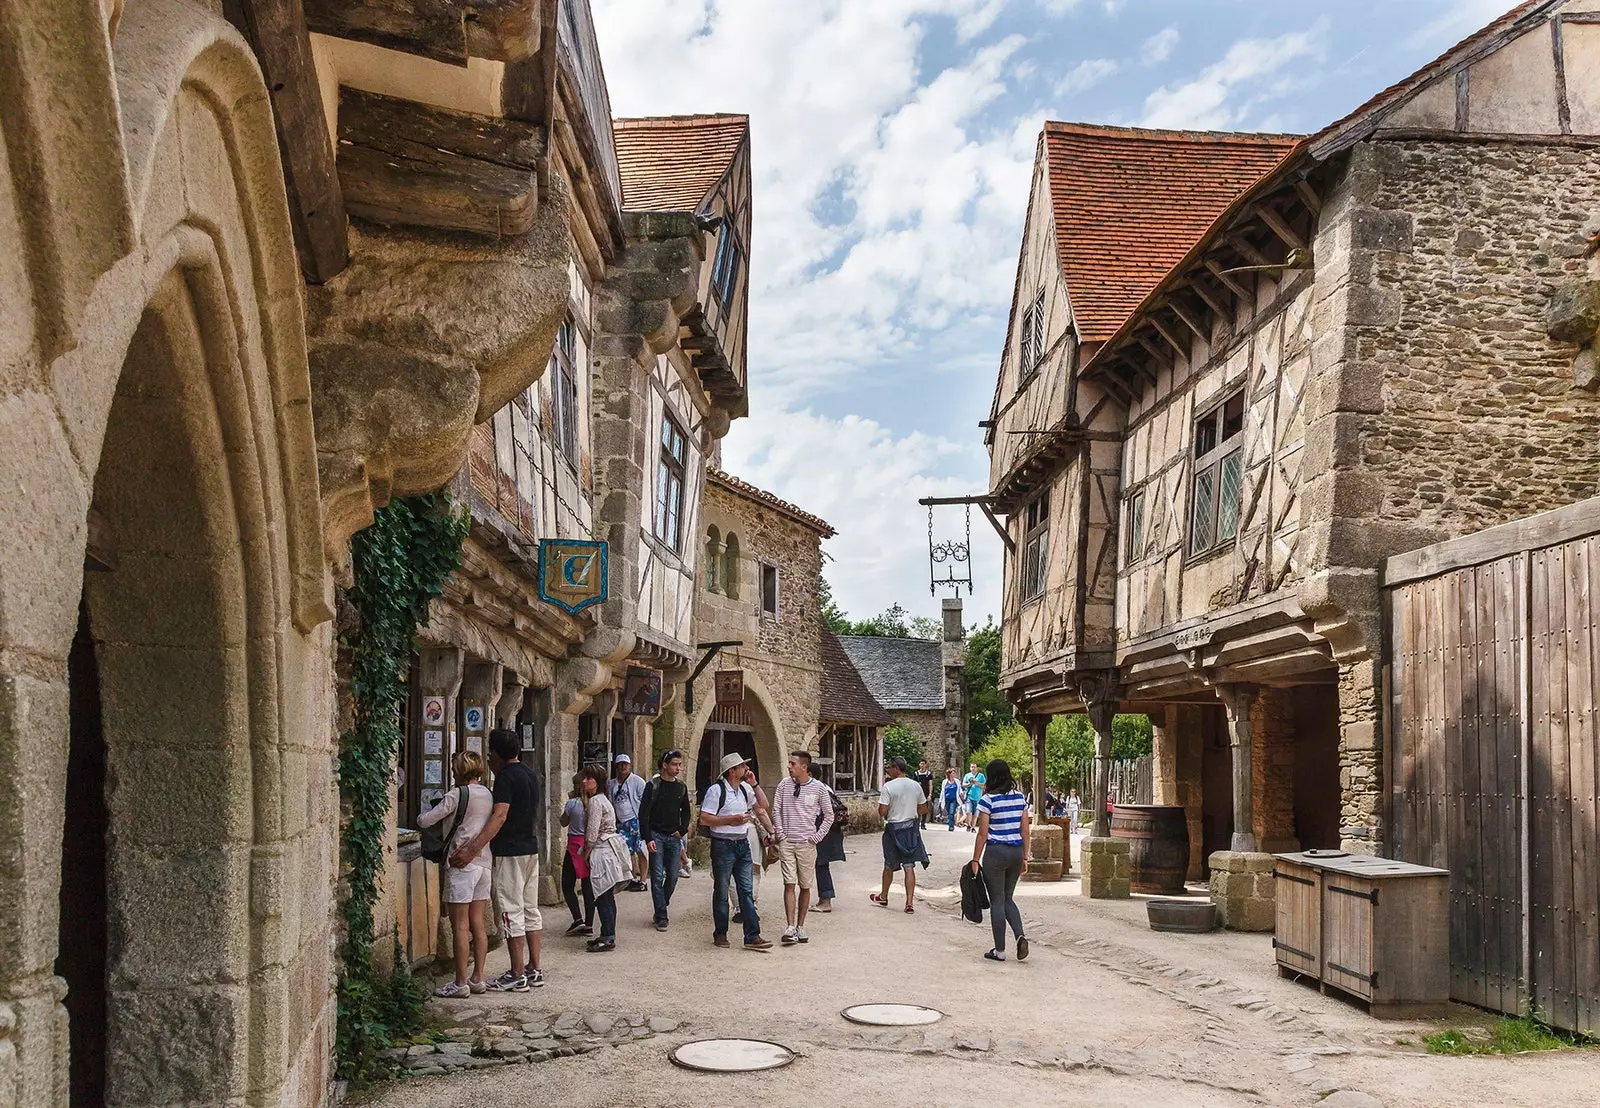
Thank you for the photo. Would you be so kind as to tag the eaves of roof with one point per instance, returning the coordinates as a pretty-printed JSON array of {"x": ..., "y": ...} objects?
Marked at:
[{"x": 761, "y": 496}]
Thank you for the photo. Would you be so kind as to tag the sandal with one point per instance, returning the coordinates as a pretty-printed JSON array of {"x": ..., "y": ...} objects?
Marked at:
[
  {"x": 910, "y": 910},
  {"x": 878, "y": 900}
]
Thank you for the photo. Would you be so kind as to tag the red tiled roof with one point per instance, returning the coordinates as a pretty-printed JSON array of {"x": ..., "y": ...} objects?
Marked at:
[
  {"x": 670, "y": 163},
  {"x": 1129, "y": 202},
  {"x": 845, "y": 697},
  {"x": 762, "y": 496}
]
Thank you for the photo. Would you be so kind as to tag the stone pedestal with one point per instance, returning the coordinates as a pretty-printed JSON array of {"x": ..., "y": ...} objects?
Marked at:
[
  {"x": 1242, "y": 890},
  {"x": 1047, "y": 854},
  {"x": 1107, "y": 868}
]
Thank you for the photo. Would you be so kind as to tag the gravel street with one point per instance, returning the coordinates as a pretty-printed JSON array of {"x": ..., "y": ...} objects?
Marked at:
[{"x": 1104, "y": 1012}]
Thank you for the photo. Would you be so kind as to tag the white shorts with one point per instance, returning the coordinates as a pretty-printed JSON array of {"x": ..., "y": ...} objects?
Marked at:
[
  {"x": 463, "y": 886},
  {"x": 516, "y": 888}
]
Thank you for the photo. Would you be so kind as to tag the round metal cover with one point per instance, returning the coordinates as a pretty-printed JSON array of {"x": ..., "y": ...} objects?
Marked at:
[
  {"x": 1326, "y": 853},
  {"x": 731, "y": 1055},
  {"x": 892, "y": 1015}
]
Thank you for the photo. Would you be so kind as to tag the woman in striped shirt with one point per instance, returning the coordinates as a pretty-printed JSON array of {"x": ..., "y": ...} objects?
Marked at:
[{"x": 1001, "y": 854}]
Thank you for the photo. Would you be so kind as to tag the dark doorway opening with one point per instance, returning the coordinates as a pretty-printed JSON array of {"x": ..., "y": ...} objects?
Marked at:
[
  {"x": 714, "y": 744},
  {"x": 1216, "y": 783},
  {"x": 82, "y": 935},
  {"x": 1316, "y": 767}
]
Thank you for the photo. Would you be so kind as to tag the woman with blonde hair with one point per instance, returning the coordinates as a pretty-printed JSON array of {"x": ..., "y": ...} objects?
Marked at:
[{"x": 465, "y": 888}]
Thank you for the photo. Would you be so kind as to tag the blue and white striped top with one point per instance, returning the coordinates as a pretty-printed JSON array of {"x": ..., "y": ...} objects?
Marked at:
[{"x": 1005, "y": 816}]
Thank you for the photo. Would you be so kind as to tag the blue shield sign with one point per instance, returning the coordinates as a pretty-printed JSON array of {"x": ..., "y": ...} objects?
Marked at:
[{"x": 572, "y": 573}]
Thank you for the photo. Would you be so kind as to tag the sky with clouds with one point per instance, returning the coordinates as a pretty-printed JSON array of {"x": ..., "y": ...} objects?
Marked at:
[{"x": 893, "y": 142}]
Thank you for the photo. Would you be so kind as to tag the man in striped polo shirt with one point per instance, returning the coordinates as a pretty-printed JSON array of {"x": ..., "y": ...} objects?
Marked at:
[{"x": 803, "y": 813}]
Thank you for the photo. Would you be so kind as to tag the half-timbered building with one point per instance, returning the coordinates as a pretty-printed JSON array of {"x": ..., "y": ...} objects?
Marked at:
[{"x": 1350, "y": 358}]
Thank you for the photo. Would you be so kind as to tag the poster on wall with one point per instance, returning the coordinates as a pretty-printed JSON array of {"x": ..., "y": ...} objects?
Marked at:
[
  {"x": 474, "y": 715},
  {"x": 730, "y": 687},
  {"x": 433, "y": 742},
  {"x": 430, "y": 797},
  {"x": 432, "y": 772},
  {"x": 433, "y": 711},
  {"x": 475, "y": 743}
]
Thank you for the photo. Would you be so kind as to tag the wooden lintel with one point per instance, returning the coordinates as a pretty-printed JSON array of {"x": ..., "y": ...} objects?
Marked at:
[
  {"x": 1243, "y": 247},
  {"x": 277, "y": 34},
  {"x": 1308, "y": 196},
  {"x": 1213, "y": 301},
  {"x": 1279, "y": 226},
  {"x": 1228, "y": 282},
  {"x": 444, "y": 30},
  {"x": 401, "y": 162},
  {"x": 1172, "y": 340}
]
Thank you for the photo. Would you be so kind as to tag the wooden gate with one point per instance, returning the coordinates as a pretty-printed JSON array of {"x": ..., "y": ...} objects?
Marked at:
[{"x": 1493, "y": 666}]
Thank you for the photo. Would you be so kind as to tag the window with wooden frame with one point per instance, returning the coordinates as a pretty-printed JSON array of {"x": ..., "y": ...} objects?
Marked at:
[
  {"x": 564, "y": 391},
  {"x": 1036, "y": 547},
  {"x": 671, "y": 472},
  {"x": 1135, "y": 527},
  {"x": 1031, "y": 347},
  {"x": 769, "y": 590},
  {"x": 725, "y": 269},
  {"x": 1218, "y": 475}
]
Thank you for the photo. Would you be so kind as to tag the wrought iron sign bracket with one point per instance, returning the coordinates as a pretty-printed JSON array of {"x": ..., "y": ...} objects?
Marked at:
[{"x": 712, "y": 649}]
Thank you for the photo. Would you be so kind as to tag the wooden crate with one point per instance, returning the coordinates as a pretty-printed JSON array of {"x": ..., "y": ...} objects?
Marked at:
[{"x": 1374, "y": 929}]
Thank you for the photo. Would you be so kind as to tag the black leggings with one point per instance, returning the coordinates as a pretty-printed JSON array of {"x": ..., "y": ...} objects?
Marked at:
[
  {"x": 1002, "y": 868},
  {"x": 569, "y": 891}
]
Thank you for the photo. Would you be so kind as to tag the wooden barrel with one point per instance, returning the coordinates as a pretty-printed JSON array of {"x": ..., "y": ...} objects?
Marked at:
[{"x": 1158, "y": 835}]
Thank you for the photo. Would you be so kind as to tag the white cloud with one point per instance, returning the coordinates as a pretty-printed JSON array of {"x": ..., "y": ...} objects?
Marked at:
[
  {"x": 1086, "y": 74},
  {"x": 868, "y": 490},
  {"x": 1058, "y": 7},
  {"x": 1220, "y": 97},
  {"x": 1158, "y": 47}
]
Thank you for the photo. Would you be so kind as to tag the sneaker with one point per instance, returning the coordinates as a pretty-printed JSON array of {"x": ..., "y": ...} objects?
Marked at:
[
  {"x": 822, "y": 906},
  {"x": 994, "y": 956},
  {"x": 506, "y": 983},
  {"x": 535, "y": 979},
  {"x": 685, "y": 874},
  {"x": 600, "y": 946},
  {"x": 720, "y": 941},
  {"x": 800, "y": 935},
  {"x": 452, "y": 991},
  {"x": 478, "y": 987},
  {"x": 758, "y": 943},
  {"x": 661, "y": 925},
  {"x": 789, "y": 938},
  {"x": 577, "y": 927},
  {"x": 637, "y": 887},
  {"x": 1022, "y": 949}
]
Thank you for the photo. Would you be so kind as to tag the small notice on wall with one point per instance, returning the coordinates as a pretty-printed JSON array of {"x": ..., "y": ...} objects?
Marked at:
[
  {"x": 433, "y": 742},
  {"x": 432, "y": 773},
  {"x": 475, "y": 743},
  {"x": 433, "y": 711},
  {"x": 473, "y": 714},
  {"x": 430, "y": 797}
]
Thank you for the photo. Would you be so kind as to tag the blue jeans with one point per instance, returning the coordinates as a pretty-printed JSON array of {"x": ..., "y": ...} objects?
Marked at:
[
  {"x": 730, "y": 860},
  {"x": 664, "y": 871},
  {"x": 824, "y": 881},
  {"x": 950, "y": 807}
]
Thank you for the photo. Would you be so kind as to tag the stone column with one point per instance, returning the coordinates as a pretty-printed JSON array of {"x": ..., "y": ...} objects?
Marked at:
[
  {"x": 439, "y": 672},
  {"x": 481, "y": 686},
  {"x": 1360, "y": 757},
  {"x": 1106, "y": 864},
  {"x": 1237, "y": 701}
]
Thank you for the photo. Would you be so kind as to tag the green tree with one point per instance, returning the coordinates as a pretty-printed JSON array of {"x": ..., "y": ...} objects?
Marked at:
[
  {"x": 1011, "y": 744},
  {"x": 1130, "y": 737},
  {"x": 900, "y": 742},
  {"x": 833, "y": 615},
  {"x": 987, "y": 710},
  {"x": 926, "y": 627}
]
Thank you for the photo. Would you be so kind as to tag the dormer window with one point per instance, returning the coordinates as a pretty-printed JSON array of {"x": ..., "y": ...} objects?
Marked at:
[{"x": 1032, "y": 345}]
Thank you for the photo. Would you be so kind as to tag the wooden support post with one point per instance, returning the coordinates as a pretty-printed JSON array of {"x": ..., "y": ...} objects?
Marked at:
[
  {"x": 1187, "y": 319},
  {"x": 1037, "y": 726},
  {"x": 1213, "y": 301},
  {"x": 1242, "y": 246},
  {"x": 1237, "y": 700},
  {"x": 1102, "y": 709},
  {"x": 1308, "y": 196},
  {"x": 1279, "y": 226},
  {"x": 1159, "y": 353}
]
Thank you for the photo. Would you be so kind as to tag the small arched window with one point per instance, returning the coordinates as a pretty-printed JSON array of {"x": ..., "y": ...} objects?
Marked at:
[
  {"x": 730, "y": 566},
  {"x": 713, "y": 558}
]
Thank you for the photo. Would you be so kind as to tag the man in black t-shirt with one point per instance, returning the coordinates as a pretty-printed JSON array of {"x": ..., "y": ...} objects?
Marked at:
[
  {"x": 515, "y": 845},
  {"x": 924, "y": 777}
]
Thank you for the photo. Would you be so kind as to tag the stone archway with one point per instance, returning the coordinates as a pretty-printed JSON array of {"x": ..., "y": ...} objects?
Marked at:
[
  {"x": 174, "y": 444},
  {"x": 770, "y": 744}
]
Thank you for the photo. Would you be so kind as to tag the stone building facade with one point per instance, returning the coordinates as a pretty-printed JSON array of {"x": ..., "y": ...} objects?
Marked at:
[
  {"x": 921, "y": 684},
  {"x": 1354, "y": 357}
]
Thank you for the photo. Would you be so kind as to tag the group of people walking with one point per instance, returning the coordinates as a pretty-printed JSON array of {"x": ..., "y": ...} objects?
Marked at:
[{"x": 624, "y": 833}]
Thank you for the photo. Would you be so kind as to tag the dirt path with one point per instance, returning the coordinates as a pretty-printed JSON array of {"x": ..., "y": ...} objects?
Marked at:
[{"x": 1105, "y": 1011}]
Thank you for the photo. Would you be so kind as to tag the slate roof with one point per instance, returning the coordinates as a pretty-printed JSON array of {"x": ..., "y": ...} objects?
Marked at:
[
  {"x": 1129, "y": 202},
  {"x": 762, "y": 496},
  {"x": 671, "y": 163},
  {"x": 904, "y": 675},
  {"x": 845, "y": 698}
]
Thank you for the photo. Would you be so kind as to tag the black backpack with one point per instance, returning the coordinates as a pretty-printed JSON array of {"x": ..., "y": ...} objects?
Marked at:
[
  {"x": 841, "y": 814},
  {"x": 436, "y": 839},
  {"x": 722, "y": 798}
]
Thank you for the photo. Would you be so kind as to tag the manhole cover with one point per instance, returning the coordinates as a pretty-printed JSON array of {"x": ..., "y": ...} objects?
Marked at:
[
  {"x": 892, "y": 1015},
  {"x": 731, "y": 1055}
]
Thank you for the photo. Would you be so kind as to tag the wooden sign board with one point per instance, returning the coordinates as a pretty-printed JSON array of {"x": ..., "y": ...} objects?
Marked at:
[
  {"x": 641, "y": 693},
  {"x": 572, "y": 573},
  {"x": 730, "y": 686}
]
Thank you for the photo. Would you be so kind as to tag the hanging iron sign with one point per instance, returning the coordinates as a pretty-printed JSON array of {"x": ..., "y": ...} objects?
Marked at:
[
  {"x": 641, "y": 693},
  {"x": 730, "y": 686},
  {"x": 572, "y": 573}
]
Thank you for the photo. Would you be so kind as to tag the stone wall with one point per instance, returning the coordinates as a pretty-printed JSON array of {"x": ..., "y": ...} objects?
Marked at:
[
  {"x": 1272, "y": 770},
  {"x": 929, "y": 727}
]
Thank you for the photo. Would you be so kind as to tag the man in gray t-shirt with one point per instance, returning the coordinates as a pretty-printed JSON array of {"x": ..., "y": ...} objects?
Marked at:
[{"x": 901, "y": 803}]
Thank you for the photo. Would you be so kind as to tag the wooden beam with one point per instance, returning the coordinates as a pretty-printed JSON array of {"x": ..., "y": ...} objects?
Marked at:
[
  {"x": 1213, "y": 301},
  {"x": 1123, "y": 358},
  {"x": 1228, "y": 282},
  {"x": 422, "y": 166},
  {"x": 1278, "y": 226},
  {"x": 1172, "y": 340},
  {"x": 444, "y": 30},
  {"x": 1159, "y": 353},
  {"x": 1242, "y": 246},
  {"x": 1189, "y": 321},
  {"x": 999, "y": 528},
  {"x": 1308, "y": 196},
  {"x": 276, "y": 31}
]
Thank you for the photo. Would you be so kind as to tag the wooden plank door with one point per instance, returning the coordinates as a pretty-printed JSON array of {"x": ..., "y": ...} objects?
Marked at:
[{"x": 1297, "y": 937}]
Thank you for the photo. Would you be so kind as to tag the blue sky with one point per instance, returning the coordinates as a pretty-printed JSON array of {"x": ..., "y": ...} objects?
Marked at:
[{"x": 893, "y": 142}]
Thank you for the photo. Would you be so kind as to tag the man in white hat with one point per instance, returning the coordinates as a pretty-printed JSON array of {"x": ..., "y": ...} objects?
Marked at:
[
  {"x": 726, "y": 811},
  {"x": 626, "y": 790}
]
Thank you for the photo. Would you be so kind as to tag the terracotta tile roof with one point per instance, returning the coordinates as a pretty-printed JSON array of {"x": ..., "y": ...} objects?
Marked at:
[
  {"x": 845, "y": 698},
  {"x": 670, "y": 163},
  {"x": 1129, "y": 202},
  {"x": 762, "y": 496}
]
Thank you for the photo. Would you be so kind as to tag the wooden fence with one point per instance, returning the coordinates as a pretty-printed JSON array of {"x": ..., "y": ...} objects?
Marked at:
[
  {"x": 1493, "y": 677},
  {"x": 1132, "y": 780}
]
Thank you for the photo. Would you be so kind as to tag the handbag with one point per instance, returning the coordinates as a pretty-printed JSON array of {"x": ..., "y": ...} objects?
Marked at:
[{"x": 436, "y": 839}]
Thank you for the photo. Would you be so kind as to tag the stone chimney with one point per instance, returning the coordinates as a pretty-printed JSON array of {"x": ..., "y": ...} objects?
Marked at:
[{"x": 953, "y": 653}]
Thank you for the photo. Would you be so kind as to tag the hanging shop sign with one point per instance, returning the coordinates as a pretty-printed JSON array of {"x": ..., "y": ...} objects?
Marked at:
[
  {"x": 641, "y": 693},
  {"x": 730, "y": 686},
  {"x": 572, "y": 573}
]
